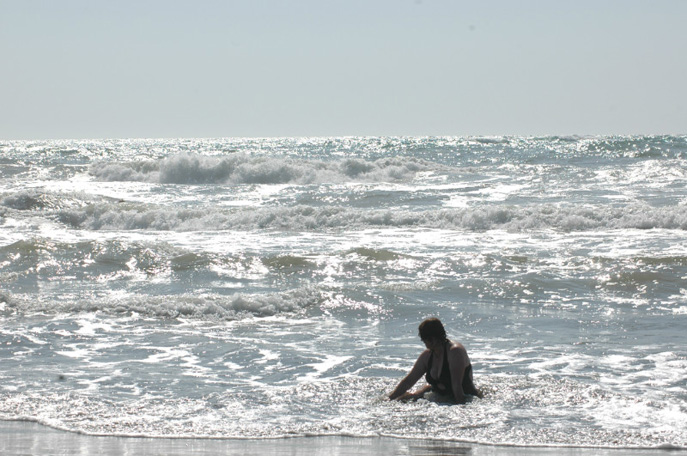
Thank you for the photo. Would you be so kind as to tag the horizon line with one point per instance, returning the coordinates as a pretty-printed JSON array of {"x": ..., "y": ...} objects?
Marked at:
[{"x": 282, "y": 137}]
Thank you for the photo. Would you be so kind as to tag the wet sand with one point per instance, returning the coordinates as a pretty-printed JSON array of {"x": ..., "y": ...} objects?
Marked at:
[{"x": 27, "y": 438}]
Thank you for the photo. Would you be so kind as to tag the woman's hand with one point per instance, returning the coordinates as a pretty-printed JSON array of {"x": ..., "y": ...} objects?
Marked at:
[
  {"x": 409, "y": 397},
  {"x": 412, "y": 397}
]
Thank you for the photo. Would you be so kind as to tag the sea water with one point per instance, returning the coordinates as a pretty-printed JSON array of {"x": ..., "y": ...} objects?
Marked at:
[{"x": 259, "y": 288}]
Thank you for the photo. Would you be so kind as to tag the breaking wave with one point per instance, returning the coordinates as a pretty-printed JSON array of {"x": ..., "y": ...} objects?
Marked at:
[
  {"x": 192, "y": 306},
  {"x": 246, "y": 169},
  {"x": 306, "y": 218},
  {"x": 94, "y": 213}
]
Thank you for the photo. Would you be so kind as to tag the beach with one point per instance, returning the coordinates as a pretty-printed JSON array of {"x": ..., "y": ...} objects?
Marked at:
[{"x": 29, "y": 439}]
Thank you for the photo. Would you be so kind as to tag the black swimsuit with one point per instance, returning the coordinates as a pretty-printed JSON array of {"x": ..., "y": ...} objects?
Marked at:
[{"x": 443, "y": 385}]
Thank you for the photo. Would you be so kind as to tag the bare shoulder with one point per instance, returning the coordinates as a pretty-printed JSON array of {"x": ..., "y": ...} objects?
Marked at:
[
  {"x": 456, "y": 346},
  {"x": 423, "y": 360},
  {"x": 458, "y": 352}
]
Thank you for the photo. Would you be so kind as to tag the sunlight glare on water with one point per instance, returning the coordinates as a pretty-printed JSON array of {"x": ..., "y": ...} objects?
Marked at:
[{"x": 270, "y": 288}]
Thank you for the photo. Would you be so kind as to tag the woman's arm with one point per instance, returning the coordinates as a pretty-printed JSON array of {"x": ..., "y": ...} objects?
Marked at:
[
  {"x": 415, "y": 395},
  {"x": 411, "y": 379},
  {"x": 457, "y": 362}
]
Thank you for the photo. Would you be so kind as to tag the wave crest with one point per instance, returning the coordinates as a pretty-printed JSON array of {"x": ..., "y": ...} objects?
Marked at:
[
  {"x": 247, "y": 169},
  {"x": 191, "y": 306},
  {"x": 102, "y": 213},
  {"x": 305, "y": 218}
]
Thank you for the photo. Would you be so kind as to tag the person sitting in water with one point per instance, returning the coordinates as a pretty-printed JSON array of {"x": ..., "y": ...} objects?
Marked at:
[{"x": 445, "y": 365}]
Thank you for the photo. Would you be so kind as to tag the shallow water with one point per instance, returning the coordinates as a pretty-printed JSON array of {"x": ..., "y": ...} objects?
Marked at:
[{"x": 267, "y": 288}]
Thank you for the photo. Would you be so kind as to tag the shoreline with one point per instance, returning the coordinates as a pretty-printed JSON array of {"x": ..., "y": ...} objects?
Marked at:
[{"x": 31, "y": 438}]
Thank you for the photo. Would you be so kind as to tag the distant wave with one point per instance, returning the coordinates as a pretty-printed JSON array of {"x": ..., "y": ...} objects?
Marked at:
[
  {"x": 246, "y": 169},
  {"x": 95, "y": 213},
  {"x": 106, "y": 216},
  {"x": 193, "y": 306}
]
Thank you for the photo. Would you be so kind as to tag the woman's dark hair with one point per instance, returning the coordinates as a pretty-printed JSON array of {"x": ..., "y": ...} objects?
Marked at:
[{"x": 432, "y": 328}]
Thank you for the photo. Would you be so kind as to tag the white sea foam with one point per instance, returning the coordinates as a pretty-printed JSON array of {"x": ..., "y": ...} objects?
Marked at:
[
  {"x": 248, "y": 169},
  {"x": 517, "y": 411},
  {"x": 108, "y": 216}
]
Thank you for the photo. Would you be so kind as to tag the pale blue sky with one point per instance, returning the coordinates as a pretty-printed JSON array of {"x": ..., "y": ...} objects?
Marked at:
[{"x": 124, "y": 68}]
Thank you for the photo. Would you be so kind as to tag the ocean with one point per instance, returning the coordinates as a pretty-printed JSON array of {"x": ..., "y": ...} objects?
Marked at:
[{"x": 271, "y": 288}]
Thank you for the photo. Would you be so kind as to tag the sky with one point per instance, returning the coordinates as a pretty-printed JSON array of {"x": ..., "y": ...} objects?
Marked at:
[{"x": 77, "y": 69}]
